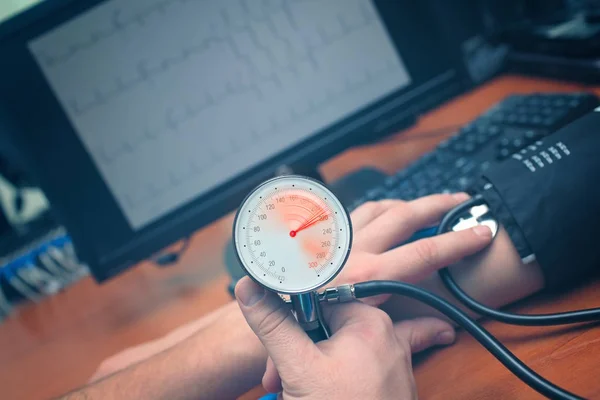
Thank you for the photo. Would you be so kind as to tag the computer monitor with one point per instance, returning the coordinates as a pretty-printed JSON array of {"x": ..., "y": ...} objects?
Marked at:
[{"x": 144, "y": 120}]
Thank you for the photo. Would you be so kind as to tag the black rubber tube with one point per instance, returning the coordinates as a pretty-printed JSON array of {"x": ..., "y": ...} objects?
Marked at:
[{"x": 498, "y": 350}]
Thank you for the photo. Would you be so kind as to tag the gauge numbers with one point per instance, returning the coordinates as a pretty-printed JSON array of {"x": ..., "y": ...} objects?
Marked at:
[{"x": 292, "y": 235}]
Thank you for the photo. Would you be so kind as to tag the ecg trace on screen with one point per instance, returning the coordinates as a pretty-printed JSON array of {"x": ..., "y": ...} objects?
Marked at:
[{"x": 174, "y": 97}]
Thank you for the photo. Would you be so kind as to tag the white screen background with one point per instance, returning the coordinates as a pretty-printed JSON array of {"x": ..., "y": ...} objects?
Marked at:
[{"x": 174, "y": 97}]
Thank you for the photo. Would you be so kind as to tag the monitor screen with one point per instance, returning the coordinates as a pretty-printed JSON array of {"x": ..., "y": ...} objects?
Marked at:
[{"x": 172, "y": 98}]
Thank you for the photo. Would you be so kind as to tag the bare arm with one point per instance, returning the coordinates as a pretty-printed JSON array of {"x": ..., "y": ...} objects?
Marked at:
[
  {"x": 223, "y": 359},
  {"x": 495, "y": 277}
]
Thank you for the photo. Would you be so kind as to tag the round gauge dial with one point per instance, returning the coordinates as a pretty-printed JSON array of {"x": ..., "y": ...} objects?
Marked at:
[{"x": 292, "y": 235}]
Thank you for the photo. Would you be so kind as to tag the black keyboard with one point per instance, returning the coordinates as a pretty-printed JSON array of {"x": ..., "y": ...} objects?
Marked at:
[{"x": 508, "y": 127}]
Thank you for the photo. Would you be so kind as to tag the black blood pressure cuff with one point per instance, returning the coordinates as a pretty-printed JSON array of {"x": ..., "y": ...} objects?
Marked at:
[{"x": 548, "y": 199}]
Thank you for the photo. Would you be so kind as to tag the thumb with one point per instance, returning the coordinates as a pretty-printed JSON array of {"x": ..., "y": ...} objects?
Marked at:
[
  {"x": 273, "y": 323},
  {"x": 423, "y": 333}
]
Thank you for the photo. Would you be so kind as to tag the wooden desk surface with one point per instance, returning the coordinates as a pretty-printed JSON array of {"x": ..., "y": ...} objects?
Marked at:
[{"x": 49, "y": 348}]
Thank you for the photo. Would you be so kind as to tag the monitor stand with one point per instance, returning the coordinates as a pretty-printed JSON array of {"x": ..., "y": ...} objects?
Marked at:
[{"x": 348, "y": 189}]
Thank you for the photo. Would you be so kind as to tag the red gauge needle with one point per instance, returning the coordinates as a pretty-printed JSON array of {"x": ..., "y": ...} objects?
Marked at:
[{"x": 308, "y": 223}]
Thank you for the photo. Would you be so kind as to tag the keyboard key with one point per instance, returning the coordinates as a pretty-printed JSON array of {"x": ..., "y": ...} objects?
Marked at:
[
  {"x": 375, "y": 194},
  {"x": 468, "y": 167},
  {"x": 493, "y": 131},
  {"x": 503, "y": 154},
  {"x": 406, "y": 186},
  {"x": 433, "y": 172},
  {"x": 420, "y": 183},
  {"x": 391, "y": 181},
  {"x": 460, "y": 162},
  {"x": 470, "y": 147},
  {"x": 449, "y": 189},
  {"x": 531, "y": 136},
  {"x": 517, "y": 143},
  {"x": 536, "y": 120},
  {"x": 471, "y": 138},
  {"x": 443, "y": 157},
  {"x": 504, "y": 142},
  {"x": 401, "y": 175},
  {"x": 498, "y": 117},
  {"x": 435, "y": 184},
  {"x": 482, "y": 139},
  {"x": 395, "y": 194},
  {"x": 459, "y": 147},
  {"x": 465, "y": 182}
]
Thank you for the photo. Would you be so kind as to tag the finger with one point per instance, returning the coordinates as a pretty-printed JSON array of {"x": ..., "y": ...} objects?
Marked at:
[
  {"x": 369, "y": 211},
  {"x": 400, "y": 222},
  {"x": 271, "y": 380},
  {"x": 341, "y": 316},
  {"x": 423, "y": 333},
  {"x": 416, "y": 261},
  {"x": 273, "y": 323}
]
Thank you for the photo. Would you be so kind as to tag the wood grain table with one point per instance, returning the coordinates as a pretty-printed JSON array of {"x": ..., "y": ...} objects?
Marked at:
[{"x": 49, "y": 348}]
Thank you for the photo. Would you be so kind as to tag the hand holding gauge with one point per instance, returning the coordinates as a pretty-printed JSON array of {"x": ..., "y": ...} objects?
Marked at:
[{"x": 293, "y": 236}]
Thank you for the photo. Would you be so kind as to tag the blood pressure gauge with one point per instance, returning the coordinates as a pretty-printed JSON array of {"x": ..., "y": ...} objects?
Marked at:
[{"x": 293, "y": 236}]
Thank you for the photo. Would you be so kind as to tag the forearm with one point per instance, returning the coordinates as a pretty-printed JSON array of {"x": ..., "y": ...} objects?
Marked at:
[
  {"x": 224, "y": 359},
  {"x": 494, "y": 277}
]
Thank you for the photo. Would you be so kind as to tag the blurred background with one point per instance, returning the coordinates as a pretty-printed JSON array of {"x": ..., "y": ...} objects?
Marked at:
[{"x": 130, "y": 130}]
